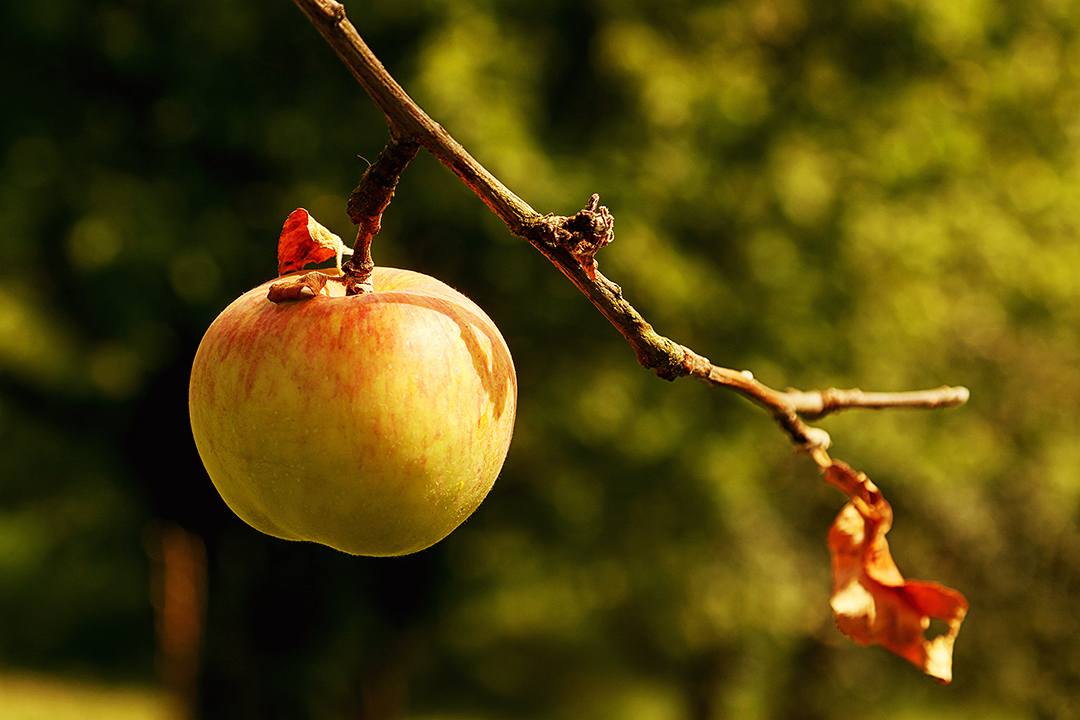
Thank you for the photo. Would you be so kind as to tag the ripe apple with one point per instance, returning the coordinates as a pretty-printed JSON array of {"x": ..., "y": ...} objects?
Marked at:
[{"x": 372, "y": 423}]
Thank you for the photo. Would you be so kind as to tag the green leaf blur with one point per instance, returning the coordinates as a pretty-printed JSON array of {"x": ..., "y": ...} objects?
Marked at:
[{"x": 881, "y": 194}]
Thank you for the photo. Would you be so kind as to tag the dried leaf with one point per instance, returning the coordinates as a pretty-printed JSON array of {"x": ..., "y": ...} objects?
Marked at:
[
  {"x": 585, "y": 233},
  {"x": 297, "y": 287},
  {"x": 303, "y": 241},
  {"x": 871, "y": 601}
]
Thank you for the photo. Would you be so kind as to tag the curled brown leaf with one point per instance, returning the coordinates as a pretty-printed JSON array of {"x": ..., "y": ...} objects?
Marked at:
[{"x": 872, "y": 602}]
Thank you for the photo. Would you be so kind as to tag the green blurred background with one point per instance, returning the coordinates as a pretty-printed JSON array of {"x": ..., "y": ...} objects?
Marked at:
[{"x": 855, "y": 193}]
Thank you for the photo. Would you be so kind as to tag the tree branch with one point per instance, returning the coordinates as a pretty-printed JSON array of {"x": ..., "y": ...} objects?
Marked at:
[
  {"x": 571, "y": 243},
  {"x": 406, "y": 119}
]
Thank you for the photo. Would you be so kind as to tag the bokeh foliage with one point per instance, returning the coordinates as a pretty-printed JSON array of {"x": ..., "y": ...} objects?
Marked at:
[{"x": 872, "y": 193}]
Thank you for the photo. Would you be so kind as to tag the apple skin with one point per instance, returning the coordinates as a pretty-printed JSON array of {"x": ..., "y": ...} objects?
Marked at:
[{"x": 373, "y": 423}]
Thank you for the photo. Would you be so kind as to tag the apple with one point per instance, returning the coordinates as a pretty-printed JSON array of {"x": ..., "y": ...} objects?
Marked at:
[{"x": 373, "y": 423}]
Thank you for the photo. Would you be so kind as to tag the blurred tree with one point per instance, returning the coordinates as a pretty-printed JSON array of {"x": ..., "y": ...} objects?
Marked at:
[{"x": 876, "y": 193}]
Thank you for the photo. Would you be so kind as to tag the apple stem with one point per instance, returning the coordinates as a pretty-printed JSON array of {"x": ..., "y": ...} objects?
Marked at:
[{"x": 366, "y": 205}]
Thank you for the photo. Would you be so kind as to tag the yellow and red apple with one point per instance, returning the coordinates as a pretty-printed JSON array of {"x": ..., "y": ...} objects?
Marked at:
[{"x": 373, "y": 423}]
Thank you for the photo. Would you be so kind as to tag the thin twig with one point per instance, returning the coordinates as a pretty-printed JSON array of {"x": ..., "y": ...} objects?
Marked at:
[
  {"x": 571, "y": 243},
  {"x": 818, "y": 404}
]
